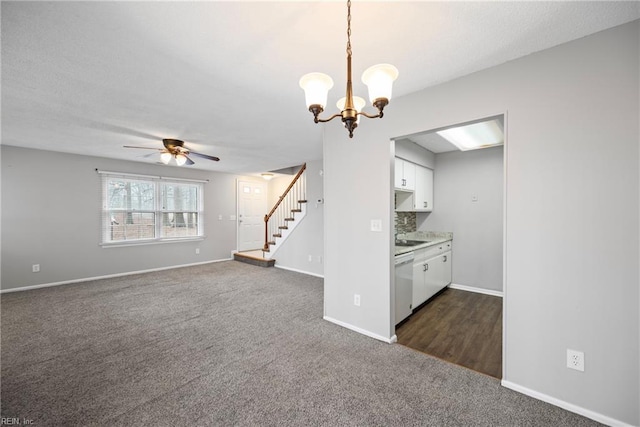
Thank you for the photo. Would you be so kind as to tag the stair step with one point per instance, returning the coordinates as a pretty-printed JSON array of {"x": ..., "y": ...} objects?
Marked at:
[
  {"x": 283, "y": 227},
  {"x": 277, "y": 235},
  {"x": 302, "y": 201},
  {"x": 289, "y": 219},
  {"x": 262, "y": 262},
  {"x": 296, "y": 210},
  {"x": 271, "y": 243}
]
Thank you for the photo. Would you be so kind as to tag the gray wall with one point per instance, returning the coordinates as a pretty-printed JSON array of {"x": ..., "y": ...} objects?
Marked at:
[
  {"x": 51, "y": 205},
  {"x": 572, "y": 229},
  {"x": 307, "y": 238},
  {"x": 476, "y": 226}
]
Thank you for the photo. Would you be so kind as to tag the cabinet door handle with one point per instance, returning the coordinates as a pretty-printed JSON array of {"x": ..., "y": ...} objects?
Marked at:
[
  {"x": 425, "y": 204},
  {"x": 426, "y": 267},
  {"x": 444, "y": 259}
]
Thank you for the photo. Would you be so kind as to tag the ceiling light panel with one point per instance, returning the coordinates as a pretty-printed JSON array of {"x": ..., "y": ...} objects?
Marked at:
[{"x": 475, "y": 136}]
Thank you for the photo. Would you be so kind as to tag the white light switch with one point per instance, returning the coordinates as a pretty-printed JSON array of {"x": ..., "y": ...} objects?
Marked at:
[{"x": 376, "y": 225}]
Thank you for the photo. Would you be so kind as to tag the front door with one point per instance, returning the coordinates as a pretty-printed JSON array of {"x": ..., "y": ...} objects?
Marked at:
[{"x": 252, "y": 207}]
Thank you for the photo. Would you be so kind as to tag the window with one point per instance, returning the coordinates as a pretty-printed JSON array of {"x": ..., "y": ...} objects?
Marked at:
[{"x": 141, "y": 209}]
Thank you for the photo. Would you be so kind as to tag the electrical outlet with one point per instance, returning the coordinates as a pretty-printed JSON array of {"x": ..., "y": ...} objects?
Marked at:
[
  {"x": 310, "y": 258},
  {"x": 575, "y": 360},
  {"x": 356, "y": 300},
  {"x": 35, "y": 268}
]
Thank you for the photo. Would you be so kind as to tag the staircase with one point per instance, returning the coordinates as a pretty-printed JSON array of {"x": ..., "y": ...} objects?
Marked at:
[{"x": 280, "y": 222}]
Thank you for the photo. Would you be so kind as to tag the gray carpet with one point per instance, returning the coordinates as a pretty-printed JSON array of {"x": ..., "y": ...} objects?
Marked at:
[{"x": 228, "y": 344}]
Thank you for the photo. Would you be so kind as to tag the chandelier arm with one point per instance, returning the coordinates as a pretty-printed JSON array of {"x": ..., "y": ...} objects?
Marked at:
[
  {"x": 371, "y": 116},
  {"x": 318, "y": 120}
]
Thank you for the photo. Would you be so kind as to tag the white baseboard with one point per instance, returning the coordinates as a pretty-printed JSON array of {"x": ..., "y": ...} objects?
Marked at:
[
  {"x": 298, "y": 271},
  {"x": 565, "y": 405},
  {"x": 107, "y": 276},
  {"x": 361, "y": 331},
  {"x": 476, "y": 290}
]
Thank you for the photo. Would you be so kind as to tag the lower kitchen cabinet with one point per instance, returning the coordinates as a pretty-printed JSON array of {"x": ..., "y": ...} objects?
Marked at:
[{"x": 431, "y": 272}]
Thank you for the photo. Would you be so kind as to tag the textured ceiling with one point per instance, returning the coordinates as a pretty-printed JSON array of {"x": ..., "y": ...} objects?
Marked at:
[{"x": 90, "y": 77}]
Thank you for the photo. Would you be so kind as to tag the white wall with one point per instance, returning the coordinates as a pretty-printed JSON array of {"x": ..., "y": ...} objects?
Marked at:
[
  {"x": 307, "y": 238},
  {"x": 572, "y": 230},
  {"x": 51, "y": 204},
  {"x": 476, "y": 225}
]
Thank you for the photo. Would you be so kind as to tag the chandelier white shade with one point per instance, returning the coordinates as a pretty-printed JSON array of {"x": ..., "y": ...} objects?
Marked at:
[
  {"x": 316, "y": 88},
  {"x": 379, "y": 79}
]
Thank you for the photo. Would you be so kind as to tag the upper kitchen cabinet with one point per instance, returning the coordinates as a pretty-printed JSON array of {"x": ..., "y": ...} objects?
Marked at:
[
  {"x": 423, "y": 194},
  {"x": 405, "y": 175},
  {"x": 414, "y": 187}
]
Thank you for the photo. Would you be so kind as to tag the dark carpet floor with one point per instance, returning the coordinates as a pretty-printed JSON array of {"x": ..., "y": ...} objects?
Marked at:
[{"x": 228, "y": 344}]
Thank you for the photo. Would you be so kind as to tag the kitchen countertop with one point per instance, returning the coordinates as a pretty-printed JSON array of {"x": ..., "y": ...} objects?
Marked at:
[{"x": 430, "y": 238}]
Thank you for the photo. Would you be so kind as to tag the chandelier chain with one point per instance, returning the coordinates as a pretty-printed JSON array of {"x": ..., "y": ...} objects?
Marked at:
[{"x": 349, "y": 27}]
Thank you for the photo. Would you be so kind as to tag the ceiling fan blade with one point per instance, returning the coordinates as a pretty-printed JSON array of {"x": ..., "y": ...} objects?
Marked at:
[
  {"x": 205, "y": 156},
  {"x": 189, "y": 161},
  {"x": 143, "y": 148}
]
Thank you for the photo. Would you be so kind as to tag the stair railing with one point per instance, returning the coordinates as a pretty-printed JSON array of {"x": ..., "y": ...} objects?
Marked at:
[{"x": 282, "y": 212}]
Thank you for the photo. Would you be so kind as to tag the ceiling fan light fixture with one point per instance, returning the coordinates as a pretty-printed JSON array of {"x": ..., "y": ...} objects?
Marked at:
[
  {"x": 181, "y": 159},
  {"x": 165, "y": 157}
]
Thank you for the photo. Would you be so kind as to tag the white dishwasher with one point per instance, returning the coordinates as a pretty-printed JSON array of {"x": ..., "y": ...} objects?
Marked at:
[{"x": 404, "y": 285}]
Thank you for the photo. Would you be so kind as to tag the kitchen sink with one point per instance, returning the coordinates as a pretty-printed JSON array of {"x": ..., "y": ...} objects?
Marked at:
[{"x": 408, "y": 243}]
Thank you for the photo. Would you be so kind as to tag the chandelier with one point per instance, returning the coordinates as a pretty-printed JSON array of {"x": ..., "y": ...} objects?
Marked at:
[{"x": 378, "y": 78}]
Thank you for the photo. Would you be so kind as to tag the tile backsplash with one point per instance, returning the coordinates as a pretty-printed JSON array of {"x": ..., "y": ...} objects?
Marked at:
[{"x": 405, "y": 222}]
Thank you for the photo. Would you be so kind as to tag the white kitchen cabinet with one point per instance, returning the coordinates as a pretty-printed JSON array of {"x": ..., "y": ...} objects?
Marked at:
[
  {"x": 423, "y": 194},
  {"x": 405, "y": 175},
  {"x": 431, "y": 272}
]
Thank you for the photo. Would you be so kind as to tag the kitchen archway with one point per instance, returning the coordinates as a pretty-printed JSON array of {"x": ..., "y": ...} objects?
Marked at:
[{"x": 455, "y": 315}]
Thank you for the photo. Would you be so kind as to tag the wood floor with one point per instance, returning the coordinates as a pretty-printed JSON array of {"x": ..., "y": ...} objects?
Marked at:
[{"x": 461, "y": 327}]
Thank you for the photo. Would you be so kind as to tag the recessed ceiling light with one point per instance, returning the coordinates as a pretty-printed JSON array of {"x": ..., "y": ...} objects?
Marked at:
[{"x": 475, "y": 136}]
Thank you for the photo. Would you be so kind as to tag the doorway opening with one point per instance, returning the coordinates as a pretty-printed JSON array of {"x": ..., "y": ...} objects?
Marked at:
[{"x": 461, "y": 321}]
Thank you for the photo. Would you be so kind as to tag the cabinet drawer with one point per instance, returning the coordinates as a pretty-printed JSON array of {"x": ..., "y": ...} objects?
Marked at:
[{"x": 436, "y": 250}]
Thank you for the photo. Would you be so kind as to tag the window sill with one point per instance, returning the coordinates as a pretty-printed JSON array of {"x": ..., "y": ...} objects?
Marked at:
[{"x": 150, "y": 242}]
